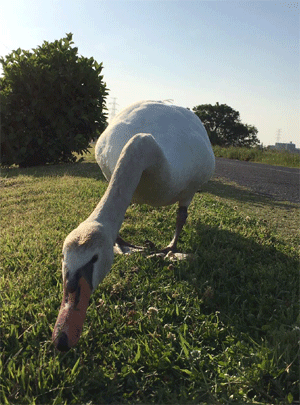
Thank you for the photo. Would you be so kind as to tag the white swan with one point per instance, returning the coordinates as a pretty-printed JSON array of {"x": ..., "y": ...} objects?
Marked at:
[{"x": 151, "y": 153}]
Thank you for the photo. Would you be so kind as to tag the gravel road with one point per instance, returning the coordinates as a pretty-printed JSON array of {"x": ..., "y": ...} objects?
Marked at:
[{"x": 280, "y": 183}]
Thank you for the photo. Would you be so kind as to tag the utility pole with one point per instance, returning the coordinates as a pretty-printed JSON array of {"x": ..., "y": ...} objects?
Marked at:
[
  {"x": 113, "y": 108},
  {"x": 278, "y": 135}
]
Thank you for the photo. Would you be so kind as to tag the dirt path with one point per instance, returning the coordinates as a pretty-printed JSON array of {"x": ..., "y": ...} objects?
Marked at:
[{"x": 280, "y": 183}]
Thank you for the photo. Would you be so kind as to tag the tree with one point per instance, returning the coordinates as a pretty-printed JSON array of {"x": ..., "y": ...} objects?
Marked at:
[
  {"x": 52, "y": 104},
  {"x": 224, "y": 127}
]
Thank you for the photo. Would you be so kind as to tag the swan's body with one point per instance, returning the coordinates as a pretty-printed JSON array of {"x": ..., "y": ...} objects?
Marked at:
[
  {"x": 151, "y": 153},
  {"x": 186, "y": 160}
]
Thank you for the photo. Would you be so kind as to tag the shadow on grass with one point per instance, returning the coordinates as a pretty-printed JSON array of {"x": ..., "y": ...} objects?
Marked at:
[
  {"x": 254, "y": 288},
  {"x": 222, "y": 188},
  {"x": 253, "y": 283}
]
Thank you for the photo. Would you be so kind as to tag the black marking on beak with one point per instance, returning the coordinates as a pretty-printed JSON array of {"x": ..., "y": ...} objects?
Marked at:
[
  {"x": 62, "y": 344},
  {"x": 85, "y": 271},
  {"x": 77, "y": 296}
]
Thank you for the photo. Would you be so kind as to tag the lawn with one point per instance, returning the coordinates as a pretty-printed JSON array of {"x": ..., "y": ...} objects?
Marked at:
[{"x": 222, "y": 328}]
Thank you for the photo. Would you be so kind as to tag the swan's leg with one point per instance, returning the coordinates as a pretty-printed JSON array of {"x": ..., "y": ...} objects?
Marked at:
[
  {"x": 123, "y": 247},
  {"x": 180, "y": 221},
  {"x": 122, "y": 242}
]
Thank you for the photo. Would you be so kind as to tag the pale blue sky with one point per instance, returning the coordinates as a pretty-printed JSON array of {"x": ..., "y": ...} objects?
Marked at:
[{"x": 241, "y": 53}]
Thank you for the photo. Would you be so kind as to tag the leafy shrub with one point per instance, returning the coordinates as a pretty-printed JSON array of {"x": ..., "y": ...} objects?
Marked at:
[{"x": 52, "y": 103}]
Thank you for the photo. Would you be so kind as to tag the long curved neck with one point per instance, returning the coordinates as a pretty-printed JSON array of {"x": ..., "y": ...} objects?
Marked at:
[{"x": 139, "y": 153}]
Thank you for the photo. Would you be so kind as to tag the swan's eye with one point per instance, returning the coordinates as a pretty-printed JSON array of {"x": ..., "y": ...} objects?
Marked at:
[{"x": 94, "y": 259}]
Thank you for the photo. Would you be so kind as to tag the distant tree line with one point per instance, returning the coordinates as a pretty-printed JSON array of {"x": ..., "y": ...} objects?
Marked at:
[
  {"x": 53, "y": 103},
  {"x": 224, "y": 127}
]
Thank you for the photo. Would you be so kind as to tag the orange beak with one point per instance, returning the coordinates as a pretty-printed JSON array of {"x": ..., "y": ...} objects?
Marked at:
[{"x": 72, "y": 313}]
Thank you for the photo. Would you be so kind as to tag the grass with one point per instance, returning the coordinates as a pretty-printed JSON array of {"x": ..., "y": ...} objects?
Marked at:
[
  {"x": 259, "y": 155},
  {"x": 221, "y": 329}
]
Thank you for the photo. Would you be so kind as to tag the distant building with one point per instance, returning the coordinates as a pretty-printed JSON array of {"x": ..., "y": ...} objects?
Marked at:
[{"x": 289, "y": 147}]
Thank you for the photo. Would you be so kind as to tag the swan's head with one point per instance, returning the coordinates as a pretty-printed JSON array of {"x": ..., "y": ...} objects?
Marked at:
[{"x": 87, "y": 258}]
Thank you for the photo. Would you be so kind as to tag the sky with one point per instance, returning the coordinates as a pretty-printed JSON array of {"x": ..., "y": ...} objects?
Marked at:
[{"x": 241, "y": 53}]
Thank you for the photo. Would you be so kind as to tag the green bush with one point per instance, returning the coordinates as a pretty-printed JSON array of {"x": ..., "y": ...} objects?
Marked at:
[{"x": 52, "y": 103}]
